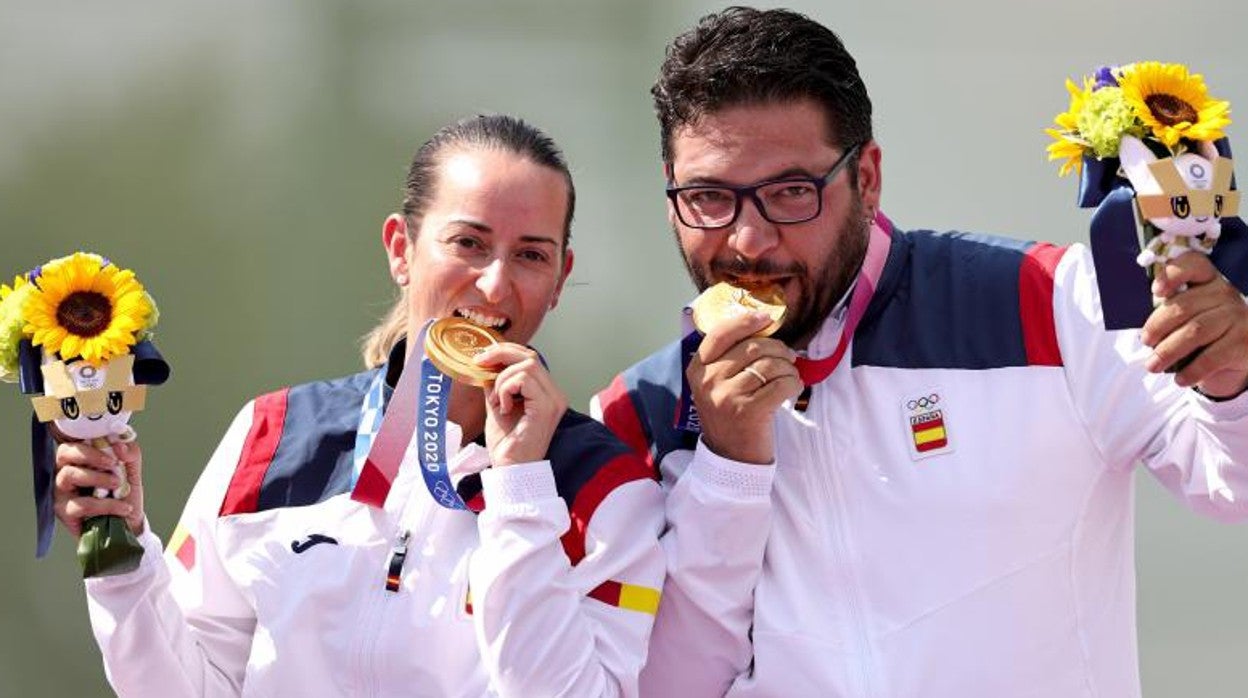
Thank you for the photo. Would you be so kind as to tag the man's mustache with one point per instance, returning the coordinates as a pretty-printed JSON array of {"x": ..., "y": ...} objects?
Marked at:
[{"x": 754, "y": 268}]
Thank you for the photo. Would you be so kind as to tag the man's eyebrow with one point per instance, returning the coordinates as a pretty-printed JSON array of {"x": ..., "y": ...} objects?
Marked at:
[{"x": 786, "y": 173}]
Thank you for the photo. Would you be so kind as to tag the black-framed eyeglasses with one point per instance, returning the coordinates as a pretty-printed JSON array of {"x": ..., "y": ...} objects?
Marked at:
[{"x": 785, "y": 200}]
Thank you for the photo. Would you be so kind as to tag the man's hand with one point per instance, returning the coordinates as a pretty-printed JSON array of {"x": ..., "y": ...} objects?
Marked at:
[
  {"x": 523, "y": 405},
  {"x": 1201, "y": 312},
  {"x": 78, "y": 465},
  {"x": 738, "y": 382}
]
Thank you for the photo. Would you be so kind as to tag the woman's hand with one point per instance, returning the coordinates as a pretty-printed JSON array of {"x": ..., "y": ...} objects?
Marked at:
[
  {"x": 80, "y": 465},
  {"x": 523, "y": 405}
]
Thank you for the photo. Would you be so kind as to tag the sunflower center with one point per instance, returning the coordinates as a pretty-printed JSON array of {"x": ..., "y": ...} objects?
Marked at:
[
  {"x": 84, "y": 313},
  {"x": 1171, "y": 110}
]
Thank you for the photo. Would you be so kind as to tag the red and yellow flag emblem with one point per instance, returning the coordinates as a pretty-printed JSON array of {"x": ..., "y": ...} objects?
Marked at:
[{"x": 182, "y": 546}]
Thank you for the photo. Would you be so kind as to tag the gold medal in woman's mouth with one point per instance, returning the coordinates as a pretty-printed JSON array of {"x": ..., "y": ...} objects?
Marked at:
[{"x": 452, "y": 342}]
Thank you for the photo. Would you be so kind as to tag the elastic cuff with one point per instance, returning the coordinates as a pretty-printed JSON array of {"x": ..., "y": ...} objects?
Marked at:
[
  {"x": 521, "y": 483},
  {"x": 732, "y": 479},
  {"x": 1223, "y": 409},
  {"x": 153, "y": 558}
]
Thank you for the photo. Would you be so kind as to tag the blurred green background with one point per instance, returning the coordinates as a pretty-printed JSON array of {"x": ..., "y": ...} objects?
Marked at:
[{"x": 240, "y": 156}]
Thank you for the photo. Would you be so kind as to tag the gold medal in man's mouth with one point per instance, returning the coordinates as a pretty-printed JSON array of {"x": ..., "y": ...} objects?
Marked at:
[{"x": 723, "y": 301}]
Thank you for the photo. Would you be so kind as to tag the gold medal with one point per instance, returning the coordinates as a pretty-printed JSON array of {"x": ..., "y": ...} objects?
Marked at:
[
  {"x": 452, "y": 342},
  {"x": 723, "y": 301}
]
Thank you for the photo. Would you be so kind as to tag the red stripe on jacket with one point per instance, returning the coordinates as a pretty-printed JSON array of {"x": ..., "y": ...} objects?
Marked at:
[
  {"x": 620, "y": 416},
  {"x": 1035, "y": 304},
  {"x": 622, "y": 469},
  {"x": 268, "y": 418}
]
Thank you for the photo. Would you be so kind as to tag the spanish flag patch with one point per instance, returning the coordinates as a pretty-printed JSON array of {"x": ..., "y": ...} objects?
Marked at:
[
  {"x": 627, "y": 596},
  {"x": 182, "y": 546},
  {"x": 927, "y": 423}
]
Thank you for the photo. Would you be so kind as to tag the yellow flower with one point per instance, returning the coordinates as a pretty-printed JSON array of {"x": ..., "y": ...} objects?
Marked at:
[
  {"x": 1172, "y": 103},
  {"x": 1067, "y": 144},
  {"x": 80, "y": 306},
  {"x": 11, "y": 324}
]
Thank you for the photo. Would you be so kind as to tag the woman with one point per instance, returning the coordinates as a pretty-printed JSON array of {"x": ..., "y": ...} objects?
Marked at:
[{"x": 303, "y": 566}]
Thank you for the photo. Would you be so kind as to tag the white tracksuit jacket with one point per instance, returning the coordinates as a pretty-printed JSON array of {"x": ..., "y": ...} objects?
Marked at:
[
  {"x": 252, "y": 599},
  {"x": 976, "y": 544}
]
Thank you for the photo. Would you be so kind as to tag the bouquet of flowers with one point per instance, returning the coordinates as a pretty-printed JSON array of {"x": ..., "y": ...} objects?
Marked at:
[
  {"x": 1148, "y": 143},
  {"x": 76, "y": 333}
]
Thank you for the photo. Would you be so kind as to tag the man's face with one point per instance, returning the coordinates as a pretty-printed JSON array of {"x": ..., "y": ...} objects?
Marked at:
[
  {"x": 490, "y": 245},
  {"x": 815, "y": 261}
]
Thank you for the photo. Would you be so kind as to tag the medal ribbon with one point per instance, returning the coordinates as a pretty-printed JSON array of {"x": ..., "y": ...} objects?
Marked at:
[
  {"x": 371, "y": 412},
  {"x": 812, "y": 371},
  {"x": 418, "y": 407},
  {"x": 435, "y": 398}
]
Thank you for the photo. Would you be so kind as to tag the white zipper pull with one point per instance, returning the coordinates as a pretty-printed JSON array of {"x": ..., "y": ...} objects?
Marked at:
[{"x": 394, "y": 569}]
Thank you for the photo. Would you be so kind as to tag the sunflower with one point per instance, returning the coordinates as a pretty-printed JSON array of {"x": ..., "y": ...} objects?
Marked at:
[
  {"x": 11, "y": 324},
  {"x": 1067, "y": 144},
  {"x": 1172, "y": 103},
  {"x": 82, "y": 305}
]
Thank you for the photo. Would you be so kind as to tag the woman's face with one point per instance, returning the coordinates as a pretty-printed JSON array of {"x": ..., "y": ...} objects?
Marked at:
[{"x": 490, "y": 245}]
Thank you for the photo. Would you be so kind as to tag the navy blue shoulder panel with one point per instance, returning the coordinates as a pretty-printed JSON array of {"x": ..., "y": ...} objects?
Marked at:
[
  {"x": 580, "y": 447},
  {"x": 654, "y": 386},
  {"x": 315, "y": 455},
  {"x": 946, "y": 300}
]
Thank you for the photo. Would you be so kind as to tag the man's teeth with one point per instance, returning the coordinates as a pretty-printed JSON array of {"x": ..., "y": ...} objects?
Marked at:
[{"x": 480, "y": 319}]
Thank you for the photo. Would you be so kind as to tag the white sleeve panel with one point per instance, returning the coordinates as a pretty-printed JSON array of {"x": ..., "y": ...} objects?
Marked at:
[
  {"x": 719, "y": 518},
  {"x": 540, "y": 635},
  {"x": 166, "y": 630},
  {"x": 1196, "y": 448}
]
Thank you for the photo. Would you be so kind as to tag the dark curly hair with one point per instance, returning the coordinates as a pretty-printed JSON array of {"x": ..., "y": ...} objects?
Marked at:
[{"x": 746, "y": 56}]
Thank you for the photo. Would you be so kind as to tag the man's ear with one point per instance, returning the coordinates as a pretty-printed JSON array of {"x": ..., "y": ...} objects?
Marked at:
[
  {"x": 567, "y": 271},
  {"x": 869, "y": 177},
  {"x": 395, "y": 240}
]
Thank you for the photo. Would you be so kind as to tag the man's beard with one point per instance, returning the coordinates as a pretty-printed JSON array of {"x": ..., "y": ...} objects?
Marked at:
[{"x": 819, "y": 292}]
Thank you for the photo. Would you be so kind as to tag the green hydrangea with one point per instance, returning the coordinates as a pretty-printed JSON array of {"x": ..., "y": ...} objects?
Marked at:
[
  {"x": 1105, "y": 118},
  {"x": 11, "y": 334},
  {"x": 149, "y": 329}
]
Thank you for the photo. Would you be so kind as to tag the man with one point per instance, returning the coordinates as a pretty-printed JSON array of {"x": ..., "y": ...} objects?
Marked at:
[{"x": 922, "y": 484}]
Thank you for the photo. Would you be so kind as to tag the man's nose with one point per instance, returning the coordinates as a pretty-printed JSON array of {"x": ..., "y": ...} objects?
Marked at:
[{"x": 753, "y": 236}]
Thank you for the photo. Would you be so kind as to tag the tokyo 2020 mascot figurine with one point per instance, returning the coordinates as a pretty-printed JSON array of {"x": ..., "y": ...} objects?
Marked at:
[
  {"x": 75, "y": 332},
  {"x": 1148, "y": 142}
]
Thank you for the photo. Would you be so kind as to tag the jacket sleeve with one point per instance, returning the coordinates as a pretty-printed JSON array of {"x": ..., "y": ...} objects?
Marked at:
[
  {"x": 545, "y": 626},
  {"x": 177, "y": 626},
  {"x": 1197, "y": 448},
  {"x": 718, "y": 518}
]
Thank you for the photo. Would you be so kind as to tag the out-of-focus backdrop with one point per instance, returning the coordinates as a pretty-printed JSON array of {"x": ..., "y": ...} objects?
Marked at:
[{"x": 240, "y": 156}]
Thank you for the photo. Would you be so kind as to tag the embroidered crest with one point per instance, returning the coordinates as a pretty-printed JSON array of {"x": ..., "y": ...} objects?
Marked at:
[{"x": 926, "y": 425}]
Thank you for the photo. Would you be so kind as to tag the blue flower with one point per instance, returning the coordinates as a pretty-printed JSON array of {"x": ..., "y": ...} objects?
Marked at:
[{"x": 1105, "y": 77}]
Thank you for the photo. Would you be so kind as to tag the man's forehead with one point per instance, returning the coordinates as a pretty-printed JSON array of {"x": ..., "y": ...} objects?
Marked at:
[{"x": 793, "y": 131}]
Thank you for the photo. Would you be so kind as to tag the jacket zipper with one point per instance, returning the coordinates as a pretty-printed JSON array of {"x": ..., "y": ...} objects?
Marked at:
[
  {"x": 826, "y": 466},
  {"x": 394, "y": 568}
]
